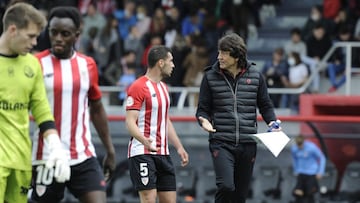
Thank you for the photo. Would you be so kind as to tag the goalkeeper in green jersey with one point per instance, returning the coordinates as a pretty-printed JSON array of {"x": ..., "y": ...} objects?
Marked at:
[{"x": 22, "y": 89}]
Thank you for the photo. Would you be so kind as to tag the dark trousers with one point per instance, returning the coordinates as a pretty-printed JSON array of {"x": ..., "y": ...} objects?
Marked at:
[
  {"x": 309, "y": 185},
  {"x": 233, "y": 167}
]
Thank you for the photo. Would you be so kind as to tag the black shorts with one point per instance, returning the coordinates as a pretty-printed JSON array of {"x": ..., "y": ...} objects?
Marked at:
[
  {"x": 85, "y": 177},
  {"x": 307, "y": 183},
  {"x": 152, "y": 172}
]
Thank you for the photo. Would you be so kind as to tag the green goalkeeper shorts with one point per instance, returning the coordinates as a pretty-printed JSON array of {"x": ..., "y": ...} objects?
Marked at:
[{"x": 14, "y": 185}]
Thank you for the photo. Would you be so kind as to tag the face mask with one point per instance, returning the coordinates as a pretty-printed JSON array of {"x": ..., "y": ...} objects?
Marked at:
[
  {"x": 315, "y": 17},
  {"x": 291, "y": 61},
  {"x": 140, "y": 16}
]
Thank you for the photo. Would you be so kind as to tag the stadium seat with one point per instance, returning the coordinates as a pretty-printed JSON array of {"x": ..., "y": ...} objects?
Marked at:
[
  {"x": 206, "y": 187},
  {"x": 123, "y": 190},
  {"x": 327, "y": 183},
  {"x": 350, "y": 183},
  {"x": 266, "y": 185},
  {"x": 288, "y": 183},
  {"x": 185, "y": 182}
]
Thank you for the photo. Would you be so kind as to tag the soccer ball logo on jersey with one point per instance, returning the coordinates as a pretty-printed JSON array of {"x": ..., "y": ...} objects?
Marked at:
[
  {"x": 28, "y": 71},
  {"x": 129, "y": 101}
]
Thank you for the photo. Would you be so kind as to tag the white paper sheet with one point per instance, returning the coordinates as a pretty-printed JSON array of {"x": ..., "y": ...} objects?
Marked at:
[{"x": 274, "y": 141}]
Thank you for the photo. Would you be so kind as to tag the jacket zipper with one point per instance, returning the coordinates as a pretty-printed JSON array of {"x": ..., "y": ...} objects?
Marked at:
[{"x": 237, "y": 133}]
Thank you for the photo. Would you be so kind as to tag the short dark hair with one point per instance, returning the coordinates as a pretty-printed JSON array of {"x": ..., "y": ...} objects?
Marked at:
[
  {"x": 236, "y": 46},
  {"x": 319, "y": 25},
  {"x": 297, "y": 57},
  {"x": 279, "y": 51},
  {"x": 66, "y": 12},
  {"x": 299, "y": 140},
  {"x": 156, "y": 53},
  {"x": 295, "y": 30}
]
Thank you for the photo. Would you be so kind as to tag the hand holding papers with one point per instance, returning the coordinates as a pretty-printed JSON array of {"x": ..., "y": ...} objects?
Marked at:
[{"x": 274, "y": 141}]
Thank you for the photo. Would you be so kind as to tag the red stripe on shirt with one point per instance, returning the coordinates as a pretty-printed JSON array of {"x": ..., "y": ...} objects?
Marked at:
[
  {"x": 57, "y": 93},
  {"x": 39, "y": 151},
  {"x": 159, "y": 118},
  {"x": 166, "y": 117},
  {"x": 148, "y": 108},
  {"x": 74, "y": 106},
  {"x": 85, "y": 141}
]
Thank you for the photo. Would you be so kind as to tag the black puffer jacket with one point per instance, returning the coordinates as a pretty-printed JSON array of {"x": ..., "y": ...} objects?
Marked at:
[{"x": 230, "y": 104}]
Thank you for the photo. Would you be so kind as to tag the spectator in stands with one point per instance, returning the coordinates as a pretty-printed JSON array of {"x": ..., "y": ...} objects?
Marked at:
[
  {"x": 331, "y": 8},
  {"x": 194, "y": 65},
  {"x": 173, "y": 27},
  {"x": 134, "y": 42},
  {"x": 295, "y": 44},
  {"x": 107, "y": 46},
  {"x": 314, "y": 19},
  {"x": 158, "y": 23},
  {"x": 211, "y": 33},
  {"x": 236, "y": 14},
  {"x": 309, "y": 166},
  {"x": 317, "y": 46},
  {"x": 298, "y": 75},
  {"x": 143, "y": 20},
  {"x": 273, "y": 72},
  {"x": 106, "y": 7},
  {"x": 357, "y": 30},
  {"x": 179, "y": 50},
  {"x": 341, "y": 20},
  {"x": 93, "y": 19},
  {"x": 154, "y": 40},
  {"x": 87, "y": 45},
  {"x": 126, "y": 18},
  {"x": 147, "y": 106},
  {"x": 125, "y": 80},
  {"x": 230, "y": 92},
  {"x": 353, "y": 8},
  {"x": 115, "y": 71},
  {"x": 337, "y": 64},
  {"x": 71, "y": 81},
  {"x": 192, "y": 24}
]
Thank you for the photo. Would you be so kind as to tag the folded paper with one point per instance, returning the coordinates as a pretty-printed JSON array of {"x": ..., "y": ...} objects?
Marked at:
[{"x": 274, "y": 141}]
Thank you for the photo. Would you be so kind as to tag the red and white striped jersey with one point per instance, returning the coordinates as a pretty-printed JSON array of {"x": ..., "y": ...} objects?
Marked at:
[
  {"x": 152, "y": 101},
  {"x": 69, "y": 84}
]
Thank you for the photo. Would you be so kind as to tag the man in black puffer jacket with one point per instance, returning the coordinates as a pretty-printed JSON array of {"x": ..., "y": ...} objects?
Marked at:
[{"x": 230, "y": 93}]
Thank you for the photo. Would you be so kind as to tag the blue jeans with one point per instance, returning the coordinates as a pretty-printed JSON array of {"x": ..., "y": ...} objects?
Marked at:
[{"x": 333, "y": 71}]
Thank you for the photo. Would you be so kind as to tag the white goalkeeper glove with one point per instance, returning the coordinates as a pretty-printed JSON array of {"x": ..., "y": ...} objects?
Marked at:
[{"x": 57, "y": 158}]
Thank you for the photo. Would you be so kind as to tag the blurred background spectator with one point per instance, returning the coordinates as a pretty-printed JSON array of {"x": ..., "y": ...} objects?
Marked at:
[{"x": 274, "y": 72}]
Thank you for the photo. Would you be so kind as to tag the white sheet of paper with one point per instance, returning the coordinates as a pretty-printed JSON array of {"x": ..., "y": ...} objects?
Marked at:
[{"x": 274, "y": 141}]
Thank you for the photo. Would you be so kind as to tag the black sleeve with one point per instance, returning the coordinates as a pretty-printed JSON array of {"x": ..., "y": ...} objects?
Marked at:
[
  {"x": 264, "y": 102},
  {"x": 205, "y": 100},
  {"x": 46, "y": 125}
]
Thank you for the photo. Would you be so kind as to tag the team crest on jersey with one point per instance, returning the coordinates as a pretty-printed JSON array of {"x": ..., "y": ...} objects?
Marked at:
[
  {"x": 129, "y": 101},
  {"x": 28, "y": 72},
  {"x": 145, "y": 180},
  {"x": 40, "y": 190},
  {"x": 11, "y": 71}
]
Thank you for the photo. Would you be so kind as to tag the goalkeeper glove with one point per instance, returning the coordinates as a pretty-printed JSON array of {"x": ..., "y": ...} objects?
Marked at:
[{"x": 57, "y": 158}]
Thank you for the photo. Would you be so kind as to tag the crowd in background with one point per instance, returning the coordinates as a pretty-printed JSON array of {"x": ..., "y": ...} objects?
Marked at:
[
  {"x": 119, "y": 33},
  {"x": 292, "y": 64}
]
